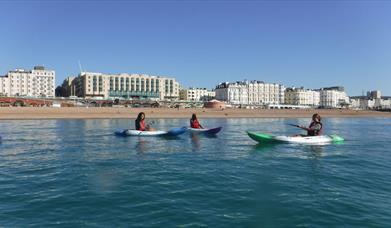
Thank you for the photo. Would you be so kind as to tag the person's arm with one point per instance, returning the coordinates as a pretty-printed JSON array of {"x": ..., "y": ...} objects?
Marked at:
[{"x": 304, "y": 128}]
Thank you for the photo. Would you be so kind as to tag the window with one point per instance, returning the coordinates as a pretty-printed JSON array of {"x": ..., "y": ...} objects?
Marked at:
[
  {"x": 111, "y": 84},
  {"x": 132, "y": 84},
  {"x": 127, "y": 84},
  {"x": 147, "y": 84},
  {"x": 116, "y": 84},
  {"x": 122, "y": 84}
]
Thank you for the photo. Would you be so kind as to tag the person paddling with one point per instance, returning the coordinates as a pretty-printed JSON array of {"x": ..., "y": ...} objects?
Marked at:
[
  {"x": 140, "y": 123},
  {"x": 315, "y": 128},
  {"x": 194, "y": 123}
]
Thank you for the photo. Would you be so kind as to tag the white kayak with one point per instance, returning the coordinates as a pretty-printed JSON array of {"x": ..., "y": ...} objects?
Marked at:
[
  {"x": 322, "y": 139},
  {"x": 129, "y": 132},
  {"x": 132, "y": 132}
]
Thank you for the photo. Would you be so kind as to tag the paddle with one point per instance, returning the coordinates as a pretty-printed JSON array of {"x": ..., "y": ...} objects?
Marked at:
[{"x": 295, "y": 125}]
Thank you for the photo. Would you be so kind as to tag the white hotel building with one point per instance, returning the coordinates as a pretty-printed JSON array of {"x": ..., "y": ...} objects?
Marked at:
[
  {"x": 127, "y": 86},
  {"x": 197, "y": 94},
  {"x": 38, "y": 82},
  {"x": 333, "y": 97},
  {"x": 250, "y": 93},
  {"x": 301, "y": 96}
]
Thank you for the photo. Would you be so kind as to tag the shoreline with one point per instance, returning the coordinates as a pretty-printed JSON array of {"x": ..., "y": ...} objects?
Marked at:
[{"x": 32, "y": 113}]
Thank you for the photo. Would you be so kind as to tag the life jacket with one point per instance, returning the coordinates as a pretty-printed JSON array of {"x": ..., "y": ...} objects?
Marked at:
[
  {"x": 194, "y": 124},
  {"x": 140, "y": 125},
  {"x": 315, "y": 132}
]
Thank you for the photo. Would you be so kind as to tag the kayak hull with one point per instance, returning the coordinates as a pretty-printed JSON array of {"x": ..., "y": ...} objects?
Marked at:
[
  {"x": 211, "y": 131},
  {"x": 132, "y": 132},
  {"x": 267, "y": 138}
]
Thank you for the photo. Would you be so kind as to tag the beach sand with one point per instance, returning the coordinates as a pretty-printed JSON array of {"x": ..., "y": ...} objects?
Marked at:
[{"x": 9, "y": 113}]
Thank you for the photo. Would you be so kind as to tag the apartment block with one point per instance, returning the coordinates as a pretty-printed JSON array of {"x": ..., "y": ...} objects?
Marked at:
[
  {"x": 38, "y": 82},
  {"x": 333, "y": 97},
  {"x": 301, "y": 96},
  {"x": 197, "y": 94},
  {"x": 250, "y": 92}
]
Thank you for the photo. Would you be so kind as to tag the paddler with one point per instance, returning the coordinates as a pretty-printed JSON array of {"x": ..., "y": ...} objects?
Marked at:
[
  {"x": 140, "y": 123},
  {"x": 316, "y": 126},
  {"x": 194, "y": 123}
]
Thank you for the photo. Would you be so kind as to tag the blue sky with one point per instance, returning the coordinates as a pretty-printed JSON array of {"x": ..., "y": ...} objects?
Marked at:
[{"x": 201, "y": 43}]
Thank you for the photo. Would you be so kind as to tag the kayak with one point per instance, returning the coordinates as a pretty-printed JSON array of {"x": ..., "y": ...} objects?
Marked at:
[
  {"x": 268, "y": 138},
  {"x": 132, "y": 132},
  {"x": 211, "y": 131}
]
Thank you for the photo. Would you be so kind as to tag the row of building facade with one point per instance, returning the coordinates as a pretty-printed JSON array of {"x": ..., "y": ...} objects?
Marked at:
[
  {"x": 261, "y": 93},
  {"x": 130, "y": 86},
  {"x": 328, "y": 97},
  {"x": 40, "y": 82}
]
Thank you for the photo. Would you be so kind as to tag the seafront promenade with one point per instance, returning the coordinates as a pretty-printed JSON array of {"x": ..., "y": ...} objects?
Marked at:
[{"x": 9, "y": 113}]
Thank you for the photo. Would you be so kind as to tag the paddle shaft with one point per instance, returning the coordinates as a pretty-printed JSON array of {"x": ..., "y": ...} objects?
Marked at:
[{"x": 298, "y": 126}]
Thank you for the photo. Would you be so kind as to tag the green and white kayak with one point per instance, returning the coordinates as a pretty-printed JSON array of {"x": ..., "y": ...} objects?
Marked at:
[{"x": 268, "y": 138}]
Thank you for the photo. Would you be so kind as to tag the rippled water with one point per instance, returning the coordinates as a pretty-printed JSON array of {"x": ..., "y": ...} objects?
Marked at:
[{"x": 77, "y": 173}]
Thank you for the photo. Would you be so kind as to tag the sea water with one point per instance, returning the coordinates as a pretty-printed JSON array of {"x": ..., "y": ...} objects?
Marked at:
[{"x": 72, "y": 173}]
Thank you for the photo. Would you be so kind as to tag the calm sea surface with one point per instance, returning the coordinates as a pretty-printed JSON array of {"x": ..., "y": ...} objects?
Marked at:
[{"x": 75, "y": 173}]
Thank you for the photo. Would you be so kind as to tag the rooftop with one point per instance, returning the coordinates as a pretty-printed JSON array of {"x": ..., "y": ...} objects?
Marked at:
[
  {"x": 338, "y": 88},
  {"x": 244, "y": 82},
  {"x": 124, "y": 74}
]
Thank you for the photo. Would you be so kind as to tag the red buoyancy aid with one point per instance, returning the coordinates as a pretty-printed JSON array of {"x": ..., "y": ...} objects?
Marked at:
[
  {"x": 142, "y": 125},
  {"x": 194, "y": 124}
]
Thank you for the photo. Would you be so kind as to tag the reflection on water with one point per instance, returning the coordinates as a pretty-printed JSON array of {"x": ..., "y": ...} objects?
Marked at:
[
  {"x": 141, "y": 145},
  {"x": 197, "y": 138},
  {"x": 259, "y": 147},
  {"x": 316, "y": 151},
  {"x": 195, "y": 141}
]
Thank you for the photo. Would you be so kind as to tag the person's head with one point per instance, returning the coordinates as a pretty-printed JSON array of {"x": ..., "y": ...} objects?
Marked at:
[
  {"x": 316, "y": 118},
  {"x": 194, "y": 117},
  {"x": 141, "y": 116}
]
